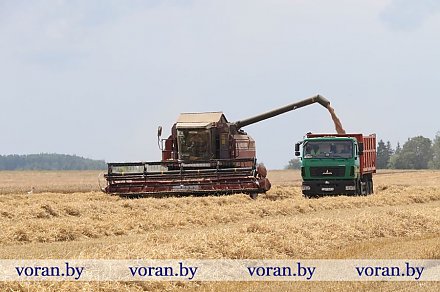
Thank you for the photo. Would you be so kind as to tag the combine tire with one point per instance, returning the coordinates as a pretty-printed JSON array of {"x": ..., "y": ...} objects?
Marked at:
[{"x": 253, "y": 196}]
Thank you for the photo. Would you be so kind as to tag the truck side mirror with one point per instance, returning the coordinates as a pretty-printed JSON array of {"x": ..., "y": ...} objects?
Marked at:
[
  {"x": 297, "y": 153},
  {"x": 361, "y": 148}
]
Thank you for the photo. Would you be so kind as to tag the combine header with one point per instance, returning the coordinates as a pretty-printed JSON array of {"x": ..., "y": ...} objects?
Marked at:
[{"x": 204, "y": 154}]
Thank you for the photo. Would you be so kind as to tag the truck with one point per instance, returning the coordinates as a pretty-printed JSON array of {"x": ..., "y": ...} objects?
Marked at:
[{"x": 334, "y": 164}]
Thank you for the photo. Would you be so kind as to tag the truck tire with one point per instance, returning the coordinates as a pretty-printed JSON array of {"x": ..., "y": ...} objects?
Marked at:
[
  {"x": 358, "y": 187},
  {"x": 363, "y": 188},
  {"x": 369, "y": 186}
]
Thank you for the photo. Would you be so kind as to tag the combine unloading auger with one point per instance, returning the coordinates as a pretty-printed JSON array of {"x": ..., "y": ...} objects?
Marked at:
[{"x": 205, "y": 154}]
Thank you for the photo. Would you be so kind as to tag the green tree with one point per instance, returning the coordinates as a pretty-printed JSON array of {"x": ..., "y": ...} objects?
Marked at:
[
  {"x": 415, "y": 154},
  {"x": 435, "y": 161},
  {"x": 44, "y": 161},
  {"x": 390, "y": 152},
  {"x": 294, "y": 163},
  {"x": 398, "y": 148},
  {"x": 384, "y": 152},
  {"x": 395, "y": 156}
]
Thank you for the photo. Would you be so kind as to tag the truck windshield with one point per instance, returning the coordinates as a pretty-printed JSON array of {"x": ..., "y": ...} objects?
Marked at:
[
  {"x": 328, "y": 149},
  {"x": 194, "y": 144}
]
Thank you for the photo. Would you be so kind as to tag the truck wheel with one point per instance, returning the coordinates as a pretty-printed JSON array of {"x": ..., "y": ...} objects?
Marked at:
[
  {"x": 361, "y": 188},
  {"x": 358, "y": 188},
  {"x": 365, "y": 188}
]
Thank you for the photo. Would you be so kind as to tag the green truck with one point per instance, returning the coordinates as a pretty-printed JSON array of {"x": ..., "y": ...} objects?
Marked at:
[{"x": 333, "y": 164}]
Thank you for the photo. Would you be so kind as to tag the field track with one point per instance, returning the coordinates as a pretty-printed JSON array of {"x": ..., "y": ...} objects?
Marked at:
[{"x": 67, "y": 216}]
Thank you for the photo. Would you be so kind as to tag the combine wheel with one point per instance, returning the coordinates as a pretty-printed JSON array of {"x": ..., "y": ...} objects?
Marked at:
[
  {"x": 102, "y": 182},
  {"x": 253, "y": 196}
]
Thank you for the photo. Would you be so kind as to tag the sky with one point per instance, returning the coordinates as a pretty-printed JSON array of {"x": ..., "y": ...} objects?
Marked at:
[{"x": 95, "y": 78}]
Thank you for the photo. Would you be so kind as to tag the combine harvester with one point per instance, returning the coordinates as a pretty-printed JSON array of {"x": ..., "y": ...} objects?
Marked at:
[{"x": 205, "y": 154}]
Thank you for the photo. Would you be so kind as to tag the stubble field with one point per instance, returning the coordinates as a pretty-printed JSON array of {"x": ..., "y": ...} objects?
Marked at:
[{"x": 67, "y": 216}]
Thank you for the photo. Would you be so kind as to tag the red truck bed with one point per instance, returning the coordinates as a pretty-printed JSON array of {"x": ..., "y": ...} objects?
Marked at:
[{"x": 368, "y": 158}]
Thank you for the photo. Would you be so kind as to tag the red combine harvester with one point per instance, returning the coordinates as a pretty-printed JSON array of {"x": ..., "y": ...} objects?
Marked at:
[{"x": 204, "y": 154}]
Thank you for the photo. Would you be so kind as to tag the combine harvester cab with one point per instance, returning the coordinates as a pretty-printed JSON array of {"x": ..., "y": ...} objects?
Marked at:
[{"x": 205, "y": 154}]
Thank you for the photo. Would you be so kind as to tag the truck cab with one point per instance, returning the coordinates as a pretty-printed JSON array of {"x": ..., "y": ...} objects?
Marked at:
[{"x": 334, "y": 164}]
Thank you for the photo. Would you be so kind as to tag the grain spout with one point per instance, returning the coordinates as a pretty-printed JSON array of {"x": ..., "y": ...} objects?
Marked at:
[{"x": 338, "y": 124}]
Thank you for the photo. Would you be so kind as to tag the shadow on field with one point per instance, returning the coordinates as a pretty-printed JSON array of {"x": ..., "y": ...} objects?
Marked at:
[{"x": 182, "y": 195}]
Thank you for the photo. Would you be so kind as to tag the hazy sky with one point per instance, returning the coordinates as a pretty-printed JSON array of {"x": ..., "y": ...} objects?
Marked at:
[{"x": 96, "y": 78}]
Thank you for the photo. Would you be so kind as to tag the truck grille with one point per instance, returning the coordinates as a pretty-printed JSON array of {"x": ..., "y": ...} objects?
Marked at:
[{"x": 327, "y": 171}]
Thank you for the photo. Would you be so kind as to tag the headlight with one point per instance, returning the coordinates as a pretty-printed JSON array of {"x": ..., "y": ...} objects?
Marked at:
[{"x": 306, "y": 188}]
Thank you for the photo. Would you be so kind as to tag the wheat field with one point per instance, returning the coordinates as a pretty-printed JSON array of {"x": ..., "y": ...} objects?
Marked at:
[{"x": 66, "y": 216}]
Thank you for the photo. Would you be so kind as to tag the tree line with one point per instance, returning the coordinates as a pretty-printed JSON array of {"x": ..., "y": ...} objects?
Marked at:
[
  {"x": 416, "y": 153},
  {"x": 46, "y": 161}
]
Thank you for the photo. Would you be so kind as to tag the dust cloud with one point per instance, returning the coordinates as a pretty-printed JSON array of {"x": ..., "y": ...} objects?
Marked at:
[{"x": 338, "y": 124}]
